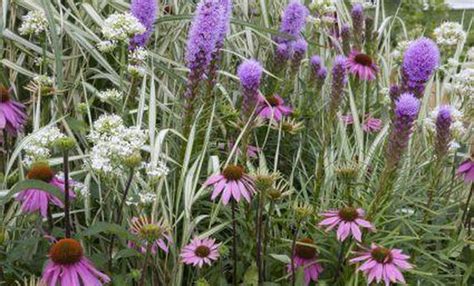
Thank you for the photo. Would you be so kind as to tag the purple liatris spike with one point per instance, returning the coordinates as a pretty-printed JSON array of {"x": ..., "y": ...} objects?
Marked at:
[
  {"x": 294, "y": 19},
  {"x": 202, "y": 40},
  {"x": 406, "y": 112},
  {"x": 357, "y": 15},
  {"x": 443, "y": 130},
  {"x": 250, "y": 74},
  {"x": 346, "y": 38},
  {"x": 299, "y": 50},
  {"x": 223, "y": 29},
  {"x": 394, "y": 92},
  {"x": 339, "y": 80},
  {"x": 420, "y": 60},
  {"x": 145, "y": 12},
  {"x": 318, "y": 71}
]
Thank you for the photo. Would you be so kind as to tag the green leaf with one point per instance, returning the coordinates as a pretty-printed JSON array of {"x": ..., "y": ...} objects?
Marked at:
[
  {"x": 109, "y": 228},
  {"x": 251, "y": 275},
  {"x": 33, "y": 184}
]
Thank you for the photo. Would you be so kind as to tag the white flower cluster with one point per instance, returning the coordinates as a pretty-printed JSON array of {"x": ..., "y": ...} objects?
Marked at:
[
  {"x": 156, "y": 172},
  {"x": 136, "y": 59},
  {"x": 77, "y": 187},
  {"x": 109, "y": 95},
  {"x": 120, "y": 27},
  {"x": 457, "y": 126},
  {"x": 463, "y": 83},
  {"x": 113, "y": 143},
  {"x": 367, "y": 4},
  {"x": 106, "y": 46},
  {"x": 143, "y": 198},
  {"x": 44, "y": 80},
  {"x": 449, "y": 34},
  {"x": 34, "y": 23},
  {"x": 39, "y": 147},
  {"x": 323, "y": 6},
  {"x": 470, "y": 54},
  {"x": 397, "y": 53}
]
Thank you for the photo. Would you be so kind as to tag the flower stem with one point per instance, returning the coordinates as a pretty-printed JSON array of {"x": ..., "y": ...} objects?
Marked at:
[
  {"x": 293, "y": 247},
  {"x": 67, "y": 221},
  {"x": 145, "y": 265},
  {"x": 234, "y": 243},
  {"x": 466, "y": 207},
  {"x": 258, "y": 227}
]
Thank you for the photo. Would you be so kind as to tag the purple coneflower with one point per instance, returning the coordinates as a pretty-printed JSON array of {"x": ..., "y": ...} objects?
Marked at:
[
  {"x": 371, "y": 124},
  {"x": 250, "y": 74},
  {"x": 466, "y": 169},
  {"x": 148, "y": 232},
  {"x": 339, "y": 80},
  {"x": 443, "y": 130},
  {"x": 37, "y": 200},
  {"x": 349, "y": 220},
  {"x": 67, "y": 265},
  {"x": 12, "y": 113},
  {"x": 200, "y": 251},
  {"x": 293, "y": 21},
  {"x": 202, "y": 40},
  {"x": 305, "y": 256},
  {"x": 145, "y": 12},
  {"x": 382, "y": 263},
  {"x": 299, "y": 50},
  {"x": 420, "y": 60},
  {"x": 362, "y": 66},
  {"x": 232, "y": 182},
  {"x": 273, "y": 108},
  {"x": 252, "y": 151},
  {"x": 406, "y": 112},
  {"x": 357, "y": 14}
]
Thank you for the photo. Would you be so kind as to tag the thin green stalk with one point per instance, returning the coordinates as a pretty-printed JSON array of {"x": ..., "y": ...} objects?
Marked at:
[
  {"x": 292, "y": 256},
  {"x": 234, "y": 243},
  {"x": 67, "y": 222}
]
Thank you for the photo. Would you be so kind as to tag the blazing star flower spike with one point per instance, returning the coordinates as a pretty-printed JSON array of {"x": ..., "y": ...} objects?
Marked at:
[
  {"x": 443, "y": 130},
  {"x": 145, "y": 12},
  {"x": 339, "y": 80},
  {"x": 250, "y": 75},
  {"x": 294, "y": 19}
]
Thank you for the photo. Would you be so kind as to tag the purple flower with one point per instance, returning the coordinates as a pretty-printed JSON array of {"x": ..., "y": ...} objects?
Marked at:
[
  {"x": 12, "y": 113},
  {"x": 200, "y": 252},
  {"x": 419, "y": 63},
  {"x": 339, "y": 80},
  {"x": 305, "y": 256},
  {"x": 294, "y": 19},
  {"x": 346, "y": 38},
  {"x": 348, "y": 221},
  {"x": 299, "y": 50},
  {"x": 223, "y": 29},
  {"x": 37, "y": 200},
  {"x": 467, "y": 169},
  {"x": 443, "y": 130},
  {"x": 406, "y": 112},
  {"x": 145, "y": 12},
  {"x": 202, "y": 39},
  {"x": 273, "y": 107},
  {"x": 357, "y": 15},
  {"x": 67, "y": 265},
  {"x": 149, "y": 231},
  {"x": 394, "y": 92},
  {"x": 250, "y": 74},
  {"x": 318, "y": 71},
  {"x": 362, "y": 66},
  {"x": 371, "y": 124}
]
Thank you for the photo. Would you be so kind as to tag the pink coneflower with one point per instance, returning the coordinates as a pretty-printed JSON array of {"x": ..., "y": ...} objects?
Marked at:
[
  {"x": 252, "y": 151},
  {"x": 148, "y": 231},
  {"x": 67, "y": 265},
  {"x": 37, "y": 200},
  {"x": 371, "y": 124},
  {"x": 200, "y": 251},
  {"x": 466, "y": 169},
  {"x": 12, "y": 113},
  {"x": 273, "y": 107},
  {"x": 305, "y": 256},
  {"x": 231, "y": 182},
  {"x": 383, "y": 264},
  {"x": 362, "y": 66},
  {"x": 349, "y": 220}
]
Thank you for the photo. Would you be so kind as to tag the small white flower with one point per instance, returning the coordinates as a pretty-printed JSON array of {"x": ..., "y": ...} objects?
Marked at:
[
  {"x": 147, "y": 198},
  {"x": 323, "y": 6},
  {"x": 40, "y": 144},
  {"x": 109, "y": 95},
  {"x": 106, "y": 46},
  {"x": 463, "y": 83},
  {"x": 44, "y": 80},
  {"x": 156, "y": 172},
  {"x": 470, "y": 54},
  {"x": 121, "y": 27},
  {"x": 34, "y": 23},
  {"x": 449, "y": 34},
  {"x": 138, "y": 55},
  {"x": 136, "y": 70},
  {"x": 453, "y": 62}
]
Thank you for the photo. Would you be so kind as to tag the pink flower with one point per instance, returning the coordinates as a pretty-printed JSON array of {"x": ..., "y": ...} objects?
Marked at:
[
  {"x": 347, "y": 119},
  {"x": 67, "y": 265},
  {"x": 362, "y": 66},
  {"x": 149, "y": 231},
  {"x": 382, "y": 263},
  {"x": 231, "y": 182},
  {"x": 305, "y": 256},
  {"x": 200, "y": 251},
  {"x": 273, "y": 107},
  {"x": 349, "y": 220},
  {"x": 252, "y": 151},
  {"x": 37, "y": 200},
  {"x": 12, "y": 113},
  {"x": 371, "y": 124},
  {"x": 467, "y": 170}
]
